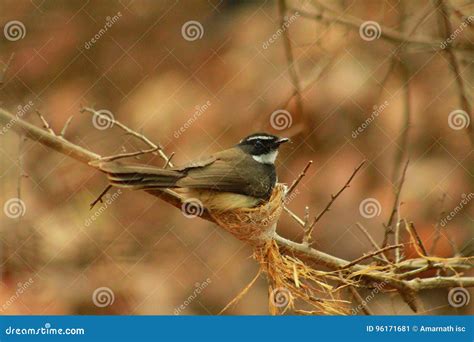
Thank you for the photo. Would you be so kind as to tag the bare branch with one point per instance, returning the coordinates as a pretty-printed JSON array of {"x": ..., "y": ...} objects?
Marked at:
[
  {"x": 334, "y": 197},
  {"x": 332, "y": 15},
  {"x": 396, "y": 204},
  {"x": 290, "y": 57},
  {"x": 298, "y": 179},
  {"x": 448, "y": 30}
]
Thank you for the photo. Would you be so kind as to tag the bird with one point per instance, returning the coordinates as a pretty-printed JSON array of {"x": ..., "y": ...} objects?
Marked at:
[{"x": 242, "y": 176}]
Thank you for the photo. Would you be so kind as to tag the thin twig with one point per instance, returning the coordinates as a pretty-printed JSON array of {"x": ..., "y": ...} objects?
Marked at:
[
  {"x": 396, "y": 204},
  {"x": 371, "y": 240},
  {"x": 370, "y": 255},
  {"x": 99, "y": 199},
  {"x": 290, "y": 57},
  {"x": 437, "y": 225},
  {"x": 385, "y": 32},
  {"x": 361, "y": 301},
  {"x": 128, "y": 155},
  {"x": 66, "y": 126},
  {"x": 298, "y": 179},
  {"x": 412, "y": 230},
  {"x": 130, "y": 131},
  {"x": 168, "y": 161},
  {"x": 45, "y": 123},
  {"x": 334, "y": 197},
  {"x": 448, "y": 30},
  {"x": 294, "y": 216}
]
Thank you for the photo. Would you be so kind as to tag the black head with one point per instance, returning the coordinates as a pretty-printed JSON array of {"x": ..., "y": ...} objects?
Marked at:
[{"x": 259, "y": 144}]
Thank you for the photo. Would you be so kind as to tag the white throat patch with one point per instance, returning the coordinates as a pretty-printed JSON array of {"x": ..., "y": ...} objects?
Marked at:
[{"x": 268, "y": 158}]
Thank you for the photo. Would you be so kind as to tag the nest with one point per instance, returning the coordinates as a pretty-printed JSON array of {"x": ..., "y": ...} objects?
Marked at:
[
  {"x": 253, "y": 225},
  {"x": 291, "y": 281}
]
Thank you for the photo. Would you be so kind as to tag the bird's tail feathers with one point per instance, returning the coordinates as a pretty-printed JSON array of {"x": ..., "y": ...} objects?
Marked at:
[{"x": 139, "y": 177}]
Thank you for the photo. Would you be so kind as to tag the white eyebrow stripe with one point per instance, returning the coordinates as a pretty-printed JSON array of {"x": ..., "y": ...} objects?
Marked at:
[{"x": 262, "y": 137}]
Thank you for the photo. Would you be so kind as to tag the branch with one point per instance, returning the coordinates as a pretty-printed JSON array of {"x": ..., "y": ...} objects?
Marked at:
[
  {"x": 290, "y": 58},
  {"x": 396, "y": 204},
  {"x": 333, "y": 197},
  {"x": 382, "y": 274},
  {"x": 448, "y": 30},
  {"x": 385, "y": 32}
]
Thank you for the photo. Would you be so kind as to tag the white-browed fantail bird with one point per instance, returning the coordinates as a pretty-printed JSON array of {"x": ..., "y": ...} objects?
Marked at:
[{"x": 242, "y": 176}]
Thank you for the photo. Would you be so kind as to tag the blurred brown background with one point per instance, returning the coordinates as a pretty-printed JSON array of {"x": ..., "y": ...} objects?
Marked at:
[{"x": 143, "y": 71}]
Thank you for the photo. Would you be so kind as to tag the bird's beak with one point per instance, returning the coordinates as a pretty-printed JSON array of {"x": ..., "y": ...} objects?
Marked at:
[{"x": 282, "y": 140}]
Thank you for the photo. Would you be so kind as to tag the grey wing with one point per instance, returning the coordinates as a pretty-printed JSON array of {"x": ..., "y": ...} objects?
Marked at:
[{"x": 218, "y": 175}]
